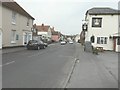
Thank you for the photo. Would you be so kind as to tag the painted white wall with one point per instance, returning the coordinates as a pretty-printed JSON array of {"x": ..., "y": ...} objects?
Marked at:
[
  {"x": 48, "y": 34},
  {"x": 42, "y": 33},
  {"x": 109, "y": 27},
  {"x": 20, "y": 27},
  {"x": 0, "y": 26}
]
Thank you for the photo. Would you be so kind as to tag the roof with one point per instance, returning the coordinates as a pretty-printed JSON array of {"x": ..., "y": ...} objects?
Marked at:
[
  {"x": 103, "y": 11},
  {"x": 42, "y": 28},
  {"x": 55, "y": 33},
  {"x": 15, "y": 7}
]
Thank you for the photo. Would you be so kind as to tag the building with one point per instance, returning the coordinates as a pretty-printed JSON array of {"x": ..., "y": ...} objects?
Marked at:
[
  {"x": 0, "y": 25},
  {"x": 55, "y": 35},
  {"x": 16, "y": 25},
  {"x": 102, "y": 28},
  {"x": 44, "y": 31},
  {"x": 77, "y": 38}
]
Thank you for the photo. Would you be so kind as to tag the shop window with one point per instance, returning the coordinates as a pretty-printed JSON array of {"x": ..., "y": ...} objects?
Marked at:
[{"x": 101, "y": 40}]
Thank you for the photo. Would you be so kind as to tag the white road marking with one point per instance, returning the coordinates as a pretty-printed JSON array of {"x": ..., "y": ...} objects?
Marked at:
[{"x": 7, "y": 63}]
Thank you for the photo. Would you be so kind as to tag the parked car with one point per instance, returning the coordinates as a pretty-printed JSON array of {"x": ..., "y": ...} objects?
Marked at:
[
  {"x": 35, "y": 44},
  {"x": 70, "y": 42},
  {"x": 63, "y": 42},
  {"x": 46, "y": 44},
  {"x": 88, "y": 46}
]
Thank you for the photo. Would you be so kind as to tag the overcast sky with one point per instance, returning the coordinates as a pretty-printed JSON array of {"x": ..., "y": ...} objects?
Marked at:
[{"x": 65, "y": 15}]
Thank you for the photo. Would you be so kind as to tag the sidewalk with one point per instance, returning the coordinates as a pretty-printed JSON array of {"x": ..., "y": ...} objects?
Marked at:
[
  {"x": 95, "y": 71},
  {"x": 10, "y": 50}
]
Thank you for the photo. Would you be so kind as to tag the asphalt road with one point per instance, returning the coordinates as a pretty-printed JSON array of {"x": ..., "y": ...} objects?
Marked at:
[
  {"x": 45, "y": 68},
  {"x": 59, "y": 66}
]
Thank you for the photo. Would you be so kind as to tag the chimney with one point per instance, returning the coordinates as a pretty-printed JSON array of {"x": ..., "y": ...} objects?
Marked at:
[
  {"x": 34, "y": 25},
  {"x": 42, "y": 24}
]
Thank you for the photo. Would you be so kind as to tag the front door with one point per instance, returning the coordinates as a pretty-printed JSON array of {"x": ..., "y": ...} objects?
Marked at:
[{"x": 24, "y": 39}]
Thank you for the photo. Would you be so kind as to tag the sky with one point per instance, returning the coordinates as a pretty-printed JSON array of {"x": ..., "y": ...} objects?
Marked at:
[{"x": 64, "y": 15}]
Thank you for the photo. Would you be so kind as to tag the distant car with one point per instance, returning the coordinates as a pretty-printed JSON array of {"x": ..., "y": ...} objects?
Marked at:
[
  {"x": 35, "y": 44},
  {"x": 63, "y": 42},
  {"x": 70, "y": 42},
  {"x": 88, "y": 46}
]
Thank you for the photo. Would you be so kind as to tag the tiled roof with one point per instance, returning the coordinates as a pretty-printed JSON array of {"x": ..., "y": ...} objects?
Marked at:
[
  {"x": 15, "y": 7},
  {"x": 55, "y": 33},
  {"x": 102, "y": 11},
  {"x": 42, "y": 28}
]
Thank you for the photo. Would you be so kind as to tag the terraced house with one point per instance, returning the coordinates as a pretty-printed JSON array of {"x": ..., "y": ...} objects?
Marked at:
[
  {"x": 102, "y": 28},
  {"x": 16, "y": 25}
]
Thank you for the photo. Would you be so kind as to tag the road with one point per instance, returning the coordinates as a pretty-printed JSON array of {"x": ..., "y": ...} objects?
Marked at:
[
  {"x": 59, "y": 66},
  {"x": 45, "y": 68}
]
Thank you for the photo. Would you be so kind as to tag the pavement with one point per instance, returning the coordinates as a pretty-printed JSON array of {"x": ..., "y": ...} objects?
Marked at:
[
  {"x": 10, "y": 50},
  {"x": 16, "y": 49},
  {"x": 95, "y": 71}
]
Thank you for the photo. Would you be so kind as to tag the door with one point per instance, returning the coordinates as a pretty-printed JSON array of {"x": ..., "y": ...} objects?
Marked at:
[
  {"x": 114, "y": 44},
  {"x": 24, "y": 38}
]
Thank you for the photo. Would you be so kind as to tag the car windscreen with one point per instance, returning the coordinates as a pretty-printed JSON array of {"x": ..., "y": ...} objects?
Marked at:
[{"x": 33, "y": 41}]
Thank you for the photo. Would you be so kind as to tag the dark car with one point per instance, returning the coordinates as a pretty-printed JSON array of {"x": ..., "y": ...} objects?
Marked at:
[
  {"x": 34, "y": 44},
  {"x": 46, "y": 44}
]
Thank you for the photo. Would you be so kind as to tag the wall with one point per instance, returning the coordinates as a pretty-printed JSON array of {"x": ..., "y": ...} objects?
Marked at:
[
  {"x": 109, "y": 27},
  {"x": 0, "y": 26},
  {"x": 20, "y": 27},
  {"x": 55, "y": 38}
]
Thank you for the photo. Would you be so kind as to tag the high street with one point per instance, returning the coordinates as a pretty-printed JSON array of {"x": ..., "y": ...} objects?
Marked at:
[
  {"x": 59, "y": 66},
  {"x": 38, "y": 68}
]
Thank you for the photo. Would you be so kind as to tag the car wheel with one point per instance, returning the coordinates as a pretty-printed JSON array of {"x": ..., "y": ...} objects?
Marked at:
[{"x": 44, "y": 47}]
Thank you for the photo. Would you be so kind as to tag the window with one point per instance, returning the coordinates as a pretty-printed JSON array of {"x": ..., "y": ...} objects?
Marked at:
[
  {"x": 14, "y": 17},
  {"x": 13, "y": 36},
  {"x": 101, "y": 40},
  {"x": 98, "y": 40},
  {"x": 92, "y": 39},
  {"x": 118, "y": 42},
  {"x": 28, "y": 22},
  {"x": 17, "y": 37},
  {"x": 96, "y": 22}
]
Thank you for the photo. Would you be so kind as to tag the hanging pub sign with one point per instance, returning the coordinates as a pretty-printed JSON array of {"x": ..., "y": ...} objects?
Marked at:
[
  {"x": 96, "y": 22},
  {"x": 84, "y": 27}
]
